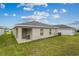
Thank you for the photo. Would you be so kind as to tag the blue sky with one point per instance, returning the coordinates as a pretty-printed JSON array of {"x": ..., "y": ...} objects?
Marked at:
[{"x": 51, "y": 13}]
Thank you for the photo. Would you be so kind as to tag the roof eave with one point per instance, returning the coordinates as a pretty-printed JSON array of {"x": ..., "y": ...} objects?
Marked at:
[{"x": 34, "y": 26}]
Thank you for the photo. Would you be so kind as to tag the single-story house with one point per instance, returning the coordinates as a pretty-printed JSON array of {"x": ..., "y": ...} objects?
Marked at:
[
  {"x": 33, "y": 30},
  {"x": 65, "y": 30},
  {"x": 2, "y": 30}
]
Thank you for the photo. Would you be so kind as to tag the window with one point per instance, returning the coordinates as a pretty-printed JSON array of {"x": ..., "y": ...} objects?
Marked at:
[
  {"x": 50, "y": 31},
  {"x": 41, "y": 32}
]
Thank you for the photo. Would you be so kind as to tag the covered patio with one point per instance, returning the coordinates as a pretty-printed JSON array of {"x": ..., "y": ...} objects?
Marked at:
[{"x": 23, "y": 33}]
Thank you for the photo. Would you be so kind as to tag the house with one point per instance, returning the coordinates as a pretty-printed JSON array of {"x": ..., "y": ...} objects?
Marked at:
[
  {"x": 75, "y": 25},
  {"x": 65, "y": 30},
  {"x": 2, "y": 30},
  {"x": 29, "y": 31}
]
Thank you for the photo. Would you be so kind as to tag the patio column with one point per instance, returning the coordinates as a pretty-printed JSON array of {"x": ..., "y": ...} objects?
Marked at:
[{"x": 19, "y": 33}]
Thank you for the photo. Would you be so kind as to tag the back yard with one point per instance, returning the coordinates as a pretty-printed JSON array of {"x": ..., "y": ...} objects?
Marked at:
[{"x": 54, "y": 46}]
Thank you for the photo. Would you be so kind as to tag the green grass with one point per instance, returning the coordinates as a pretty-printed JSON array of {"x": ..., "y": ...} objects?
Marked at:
[
  {"x": 6, "y": 40},
  {"x": 53, "y": 46}
]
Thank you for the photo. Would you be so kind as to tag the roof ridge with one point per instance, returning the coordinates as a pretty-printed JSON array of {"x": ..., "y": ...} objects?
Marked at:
[{"x": 32, "y": 22}]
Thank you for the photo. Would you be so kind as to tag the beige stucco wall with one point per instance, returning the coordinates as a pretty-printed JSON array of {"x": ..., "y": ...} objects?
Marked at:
[
  {"x": 36, "y": 33},
  {"x": 17, "y": 32},
  {"x": 55, "y": 31},
  {"x": 66, "y": 31},
  {"x": 1, "y": 31}
]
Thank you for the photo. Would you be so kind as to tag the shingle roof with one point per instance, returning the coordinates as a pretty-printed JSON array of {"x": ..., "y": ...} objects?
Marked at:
[
  {"x": 63, "y": 26},
  {"x": 36, "y": 24},
  {"x": 1, "y": 27}
]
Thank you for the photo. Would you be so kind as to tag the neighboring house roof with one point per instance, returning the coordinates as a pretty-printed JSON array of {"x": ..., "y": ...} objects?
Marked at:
[
  {"x": 1, "y": 27},
  {"x": 63, "y": 26},
  {"x": 35, "y": 24}
]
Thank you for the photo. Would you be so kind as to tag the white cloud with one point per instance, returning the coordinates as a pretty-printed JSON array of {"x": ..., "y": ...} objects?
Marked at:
[
  {"x": 32, "y": 17},
  {"x": 37, "y": 16},
  {"x": 21, "y": 4},
  {"x": 28, "y": 9},
  {"x": 2, "y": 6},
  {"x": 23, "y": 17},
  {"x": 37, "y": 4},
  {"x": 45, "y": 21},
  {"x": 63, "y": 10},
  {"x": 41, "y": 13},
  {"x": 67, "y": 3},
  {"x": 56, "y": 16},
  {"x": 14, "y": 14},
  {"x": 55, "y": 11},
  {"x": 32, "y": 4},
  {"x": 59, "y": 11},
  {"x": 5, "y": 14}
]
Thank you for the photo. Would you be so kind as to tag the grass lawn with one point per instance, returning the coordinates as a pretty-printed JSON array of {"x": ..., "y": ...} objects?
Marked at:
[{"x": 54, "y": 46}]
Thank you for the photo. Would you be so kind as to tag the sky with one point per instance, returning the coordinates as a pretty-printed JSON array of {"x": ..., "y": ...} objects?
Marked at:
[{"x": 50, "y": 13}]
